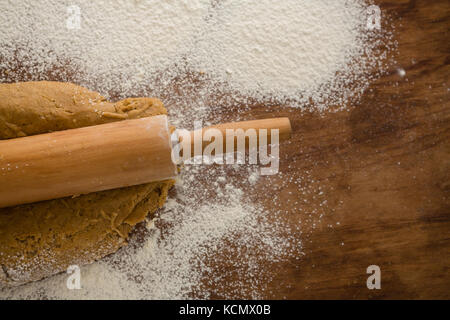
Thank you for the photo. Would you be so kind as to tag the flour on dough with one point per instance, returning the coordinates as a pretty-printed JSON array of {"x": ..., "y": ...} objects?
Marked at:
[{"x": 40, "y": 239}]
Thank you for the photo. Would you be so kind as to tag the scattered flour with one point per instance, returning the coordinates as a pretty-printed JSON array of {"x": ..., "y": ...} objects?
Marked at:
[
  {"x": 298, "y": 52},
  {"x": 199, "y": 56},
  {"x": 290, "y": 49},
  {"x": 118, "y": 44},
  {"x": 179, "y": 256}
]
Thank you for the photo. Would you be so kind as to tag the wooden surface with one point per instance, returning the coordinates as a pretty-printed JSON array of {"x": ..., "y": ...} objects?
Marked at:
[
  {"x": 383, "y": 166},
  {"x": 386, "y": 167}
]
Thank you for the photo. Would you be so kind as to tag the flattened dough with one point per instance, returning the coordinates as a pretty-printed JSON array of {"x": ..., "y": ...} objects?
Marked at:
[{"x": 41, "y": 239}]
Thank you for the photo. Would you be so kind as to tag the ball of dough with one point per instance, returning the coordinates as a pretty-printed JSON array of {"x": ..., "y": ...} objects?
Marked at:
[{"x": 40, "y": 239}]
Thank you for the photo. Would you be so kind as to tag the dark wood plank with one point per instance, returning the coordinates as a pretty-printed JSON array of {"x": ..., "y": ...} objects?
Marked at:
[{"x": 385, "y": 165}]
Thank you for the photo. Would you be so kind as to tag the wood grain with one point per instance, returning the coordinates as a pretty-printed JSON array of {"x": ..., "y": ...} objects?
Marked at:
[
  {"x": 386, "y": 167},
  {"x": 383, "y": 166}
]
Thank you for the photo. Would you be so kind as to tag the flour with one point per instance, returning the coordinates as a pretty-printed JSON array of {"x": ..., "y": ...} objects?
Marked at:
[
  {"x": 206, "y": 60},
  {"x": 118, "y": 43},
  {"x": 294, "y": 51},
  {"x": 174, "y": 262},
  {"x": 290, "y": 50}
]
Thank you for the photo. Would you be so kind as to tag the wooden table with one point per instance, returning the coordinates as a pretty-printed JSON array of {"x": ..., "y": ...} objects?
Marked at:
[
  {"x": 383, "y": 166},
  {"x": 384, "y": 169},
  {"x": 386, "y": 166}
]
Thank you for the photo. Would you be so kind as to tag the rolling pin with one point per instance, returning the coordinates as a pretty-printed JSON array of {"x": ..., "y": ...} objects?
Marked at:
[{"x": 97, "y": 158}]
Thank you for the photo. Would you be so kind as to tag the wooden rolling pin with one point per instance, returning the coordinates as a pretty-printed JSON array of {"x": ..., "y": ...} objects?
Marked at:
[{"x": 103, "y": 157}]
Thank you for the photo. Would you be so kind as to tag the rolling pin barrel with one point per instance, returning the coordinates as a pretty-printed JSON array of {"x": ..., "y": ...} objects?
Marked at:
[{"x": 85, "y": 160}]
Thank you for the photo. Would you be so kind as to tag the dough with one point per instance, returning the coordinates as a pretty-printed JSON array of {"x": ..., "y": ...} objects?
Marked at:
[{"x": 41, "y": 239}]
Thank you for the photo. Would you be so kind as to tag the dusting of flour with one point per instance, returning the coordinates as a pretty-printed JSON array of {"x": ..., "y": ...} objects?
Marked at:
[
  {"x": 298, "y": 52},
  {"x": 174, "y": 261},
  {"x": 206, "y": 59},
  {"x": 117, "y": 45},
  {"x": 290, "y": 49}
]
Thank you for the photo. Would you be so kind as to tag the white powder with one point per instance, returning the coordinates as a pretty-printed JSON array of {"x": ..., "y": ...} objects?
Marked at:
[
  {"x": 118, "y": 44},
  {"x": 174, "y": 261},
  {"x": 291, "y": 51},
  {"x": 200, "y": 57}
]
